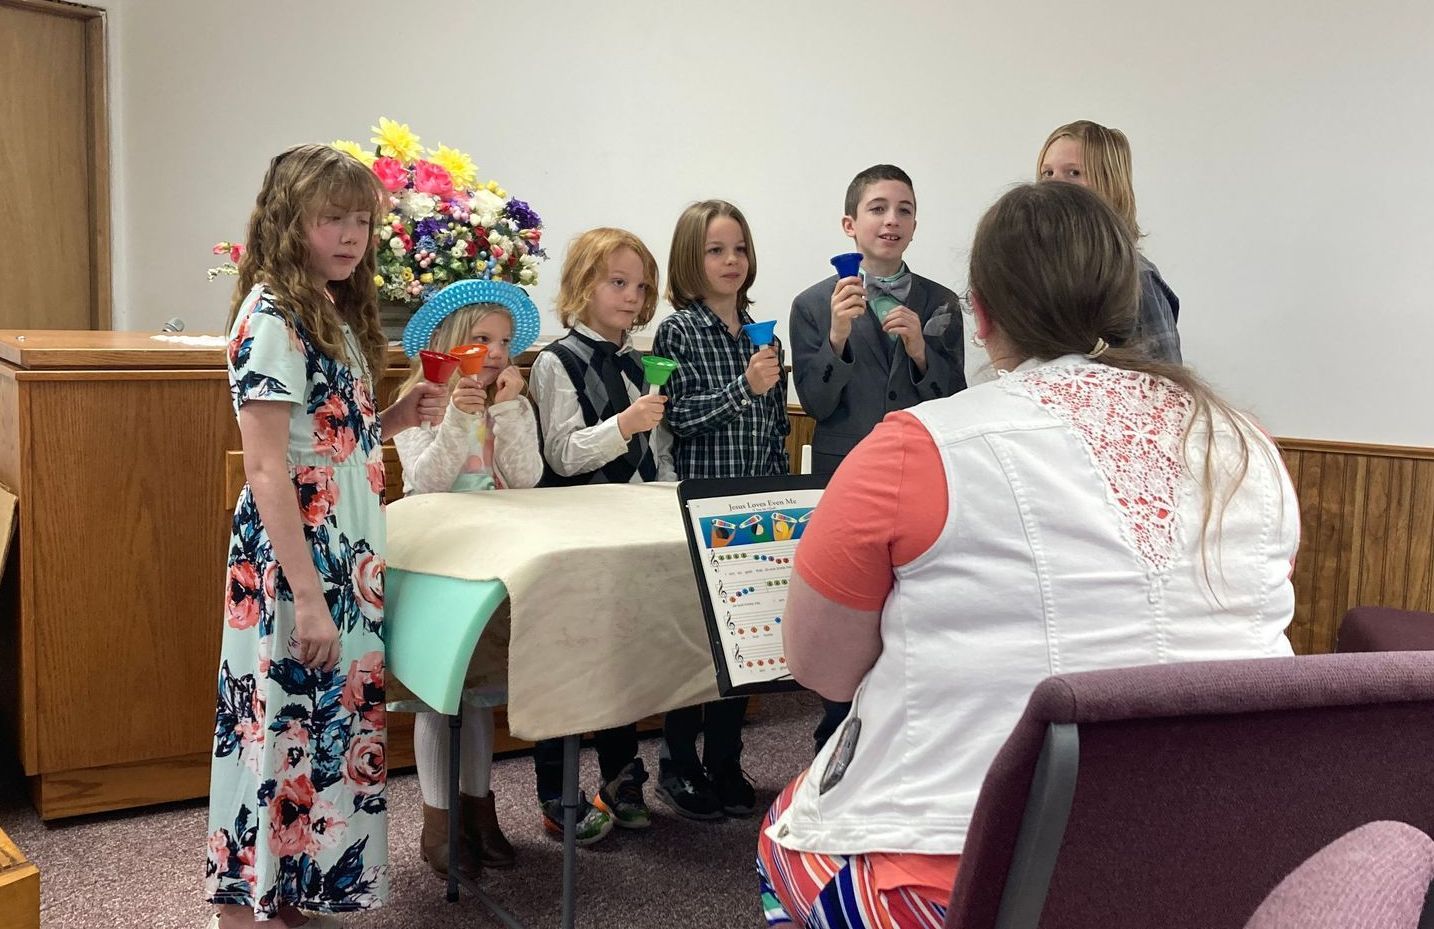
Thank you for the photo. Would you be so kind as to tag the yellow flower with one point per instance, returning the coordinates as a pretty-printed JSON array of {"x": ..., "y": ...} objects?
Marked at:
[
  {"x": 407, "y": 275},
  {"x": 396, "y": 140},
  {"x": 378, "y": 280},
  {"x": 425, "y": 278},
  {"x": 458, "y": 165},
  {"x": 352, "y": 148}
]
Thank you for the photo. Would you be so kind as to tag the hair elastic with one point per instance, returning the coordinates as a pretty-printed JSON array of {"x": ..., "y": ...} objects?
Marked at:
[{"x": 1098, "y": 348}]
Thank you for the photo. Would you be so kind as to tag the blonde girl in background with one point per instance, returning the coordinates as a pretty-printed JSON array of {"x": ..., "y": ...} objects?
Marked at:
[
  {"x": 1097, "y": 157},
  {"x": 482, "y": 443}
]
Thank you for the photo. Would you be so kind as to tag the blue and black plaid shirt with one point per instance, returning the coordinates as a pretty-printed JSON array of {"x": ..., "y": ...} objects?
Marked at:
[
  {"x": 719, "y": 428},
  {"x": 1159, "y": 313}
]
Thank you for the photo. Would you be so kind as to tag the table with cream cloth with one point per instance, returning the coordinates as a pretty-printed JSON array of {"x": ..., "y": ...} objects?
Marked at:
[
  {"x": 606, "y": 626},
  {"x": 604, "y": 621}
]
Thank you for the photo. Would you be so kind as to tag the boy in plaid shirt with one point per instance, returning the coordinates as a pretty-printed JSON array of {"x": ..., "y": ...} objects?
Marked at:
[{"x": 727, "y": 409}]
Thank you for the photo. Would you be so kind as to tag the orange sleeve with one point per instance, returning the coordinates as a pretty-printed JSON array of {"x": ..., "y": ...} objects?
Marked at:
[{"x": 885, "y": 505}]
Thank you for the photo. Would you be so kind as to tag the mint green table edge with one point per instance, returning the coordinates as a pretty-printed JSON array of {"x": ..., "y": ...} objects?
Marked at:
[{"x": 431, "y": 626}]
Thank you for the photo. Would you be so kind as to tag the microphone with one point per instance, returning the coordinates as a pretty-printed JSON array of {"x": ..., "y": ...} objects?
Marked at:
[{"x": 174, "y": 325}]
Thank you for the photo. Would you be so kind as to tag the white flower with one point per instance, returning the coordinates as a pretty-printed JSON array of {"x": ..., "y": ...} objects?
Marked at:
[
  {"x": 500, "y": 241},
  {"x": 485, "y": 201},
  {"x": 396, "y": 244},
  {"x": 417, "y": 205},
  {"x": 527, "y": 275},
  {"x": 459, "y": 250}
]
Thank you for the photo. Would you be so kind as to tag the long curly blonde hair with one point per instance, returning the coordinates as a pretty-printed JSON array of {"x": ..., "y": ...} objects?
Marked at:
[{"x": 301, "y": 182}]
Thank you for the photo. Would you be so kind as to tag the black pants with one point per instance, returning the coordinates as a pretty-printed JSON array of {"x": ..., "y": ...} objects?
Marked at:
[
  {"x": 615, "y": 749},
  {"x": 719, "y": 723},
  {"x": 832, "y": 716}
]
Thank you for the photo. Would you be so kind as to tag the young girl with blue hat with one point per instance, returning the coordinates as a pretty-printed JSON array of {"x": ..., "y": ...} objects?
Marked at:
[{"x": 488, "y": 440}]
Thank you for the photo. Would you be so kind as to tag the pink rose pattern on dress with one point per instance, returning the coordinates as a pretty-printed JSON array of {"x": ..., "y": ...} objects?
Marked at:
[
  {"x": 334, "y": 433},
  {"x": 297, "y": 816}
]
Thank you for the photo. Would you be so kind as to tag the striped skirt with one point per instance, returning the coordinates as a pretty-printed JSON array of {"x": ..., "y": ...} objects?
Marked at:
[{"x": 817, "y": 891}]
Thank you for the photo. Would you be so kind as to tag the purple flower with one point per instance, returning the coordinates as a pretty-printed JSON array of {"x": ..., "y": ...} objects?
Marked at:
[
  {"x": 522, "y": 214},
  {"x": 428, "y": 228}
]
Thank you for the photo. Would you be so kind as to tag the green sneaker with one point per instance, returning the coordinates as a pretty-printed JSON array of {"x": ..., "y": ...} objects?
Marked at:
[
  {"x": 621, "y": 797},
  {"x": 593, "y": 823}
]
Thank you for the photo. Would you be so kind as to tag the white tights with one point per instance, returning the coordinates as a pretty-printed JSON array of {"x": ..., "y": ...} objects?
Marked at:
[{"x": 475, "y": 762}]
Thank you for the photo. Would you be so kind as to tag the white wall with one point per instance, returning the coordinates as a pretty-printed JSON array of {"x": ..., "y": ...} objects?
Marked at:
[{"x": 1282, "y": 155}]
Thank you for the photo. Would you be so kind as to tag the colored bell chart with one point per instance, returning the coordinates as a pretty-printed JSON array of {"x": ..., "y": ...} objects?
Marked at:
[{"x": 743, "y": 548}]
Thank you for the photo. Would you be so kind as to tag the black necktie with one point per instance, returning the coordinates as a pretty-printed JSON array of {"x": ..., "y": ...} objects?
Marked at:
[{"x": 610, "y": 368}]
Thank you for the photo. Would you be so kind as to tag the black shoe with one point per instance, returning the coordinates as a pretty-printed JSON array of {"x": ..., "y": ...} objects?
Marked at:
[
  {"x": 689, "y": 793},
  {"x": 736, "y": 794}
]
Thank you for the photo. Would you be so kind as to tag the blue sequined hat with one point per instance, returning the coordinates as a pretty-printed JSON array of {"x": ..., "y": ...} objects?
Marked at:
[{"x": 466, "y": 293}]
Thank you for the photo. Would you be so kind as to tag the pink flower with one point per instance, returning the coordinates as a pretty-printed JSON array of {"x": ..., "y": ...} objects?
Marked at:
[
  {"x": 219, "y": 850},
  {"x": 292, "y": 746},
  {"x": 391, "y": 173},
  {"x": 240, "y": 335},
  {"x": 333, "y": 435},
  {"x": 368, "y": 585},
  {"x": 430, "y": 178},
  {"x": 289, "y": 816},
  {"x": 377, "y": 476},
  {"x": 246, "y": 865},
  {"x": 363, "y": 398},
  {"x": 271, "y": 581},
  {"x": 364, "y": 766},
  {"x": 364, "y": 685},
  {"x": 241, "y": 609},
  {"x": 251, "y": 740},
  {"x": 236, "y": 251},
  {"x": 318, "y": 494},
  {"x": 326, "y": 827}
]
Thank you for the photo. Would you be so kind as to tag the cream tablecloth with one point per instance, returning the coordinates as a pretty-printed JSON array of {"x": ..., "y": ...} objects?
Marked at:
[{"x": 606, "y": 624}]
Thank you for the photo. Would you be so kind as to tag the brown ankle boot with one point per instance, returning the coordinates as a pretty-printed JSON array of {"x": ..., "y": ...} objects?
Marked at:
[
  {"x": 482, "y": 835},
  {"x": 433, "y": 846}
]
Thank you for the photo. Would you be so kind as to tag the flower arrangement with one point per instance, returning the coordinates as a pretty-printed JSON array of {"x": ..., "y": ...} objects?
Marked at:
[{"x": 443, "y": 224}]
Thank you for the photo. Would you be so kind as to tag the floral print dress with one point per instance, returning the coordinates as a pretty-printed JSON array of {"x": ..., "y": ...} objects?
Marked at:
[{"x": 297, "y": 792}]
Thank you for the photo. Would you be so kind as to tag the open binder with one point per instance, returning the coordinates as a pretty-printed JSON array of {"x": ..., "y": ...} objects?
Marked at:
[{"x": 743, "y": 534}]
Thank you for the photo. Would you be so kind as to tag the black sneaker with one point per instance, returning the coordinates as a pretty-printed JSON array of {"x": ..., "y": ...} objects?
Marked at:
[
  {"x": 736, "y": 794},
  {"x": 621, "y": 797},
  {"x": 689, "y": 793}
]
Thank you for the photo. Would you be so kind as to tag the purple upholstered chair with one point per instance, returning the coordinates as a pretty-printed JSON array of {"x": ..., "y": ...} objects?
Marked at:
[
  {"x": 1376, "y": 877},
  {"x": 1381, "y": 629},
  {"x": 1179, "y": 795}
]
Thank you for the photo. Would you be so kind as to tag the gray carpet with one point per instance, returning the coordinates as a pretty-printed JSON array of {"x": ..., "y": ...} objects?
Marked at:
[{"x": 145, "y": 869}]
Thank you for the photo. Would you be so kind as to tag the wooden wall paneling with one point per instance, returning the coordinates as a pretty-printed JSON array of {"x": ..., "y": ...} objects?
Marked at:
[
  {"x": 1396, "y": 561},
  {"x": 1368, "y": 533},
  {"x": 1308, "y": 560},
  {"x": 802, "y": 428},
  {"x": 1420, "y": 587},
  {"x": 1374, "y": 530},
  {"x": 1352, "y": 541}
]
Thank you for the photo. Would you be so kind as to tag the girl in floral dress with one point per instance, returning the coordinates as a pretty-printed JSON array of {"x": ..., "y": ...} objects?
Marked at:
[{"x": 297, "y": 793}]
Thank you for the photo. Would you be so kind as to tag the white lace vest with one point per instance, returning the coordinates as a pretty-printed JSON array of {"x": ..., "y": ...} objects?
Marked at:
[{"x": 1072, "y": 543}]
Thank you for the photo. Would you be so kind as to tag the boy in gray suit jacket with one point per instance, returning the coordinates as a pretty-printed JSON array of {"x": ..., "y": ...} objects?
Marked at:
[
  {"x": 886, "y": 340},
  {"x": 865, "y": 346}
]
